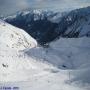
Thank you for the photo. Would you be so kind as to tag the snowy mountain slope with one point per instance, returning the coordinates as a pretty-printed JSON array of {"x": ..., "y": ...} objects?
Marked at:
[
  {"x": 34, "y": 68},
  {"x": 12, "y": 40},
  {"x": 28, "y": 73},
  {"x": 14, "y": 66},
  {"x": 14, "y": 37},
  {"x": 72, "y": 55},
  {"x": 17, "y": 69},
  {"x": 76, "y": 23}
]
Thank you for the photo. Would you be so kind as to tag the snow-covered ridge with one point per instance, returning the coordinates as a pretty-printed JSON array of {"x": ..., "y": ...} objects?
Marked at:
[
  {"x": 37, "y": 14},
  {"x": 14, "y": 37}
]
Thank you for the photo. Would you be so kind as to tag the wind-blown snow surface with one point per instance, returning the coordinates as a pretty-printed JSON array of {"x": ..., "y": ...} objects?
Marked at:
[
  {"x": 70, "y": 55},
  {"x": 64, "y": 65}
]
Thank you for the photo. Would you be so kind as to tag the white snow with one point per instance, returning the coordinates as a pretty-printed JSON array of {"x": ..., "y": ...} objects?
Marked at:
[
  {"x": 64, "y": 65},
  {"x": 15, "y": 38},
  {"x": 12, "y": 64},
  {"x": 69, "y": 55}
]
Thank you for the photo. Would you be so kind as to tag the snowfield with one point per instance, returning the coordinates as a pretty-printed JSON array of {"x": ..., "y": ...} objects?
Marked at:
[
  {"x": 67, "y": 54},
  {"x": 14, "y": 37},
  {"x": 63, "y": 65}
]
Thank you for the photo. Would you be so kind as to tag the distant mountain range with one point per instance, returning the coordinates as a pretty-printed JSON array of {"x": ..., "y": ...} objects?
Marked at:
[{"x": 45, "y": 26}]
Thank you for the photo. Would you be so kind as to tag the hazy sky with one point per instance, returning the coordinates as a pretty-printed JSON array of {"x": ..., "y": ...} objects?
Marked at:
[{"x": 11, "y": 6}]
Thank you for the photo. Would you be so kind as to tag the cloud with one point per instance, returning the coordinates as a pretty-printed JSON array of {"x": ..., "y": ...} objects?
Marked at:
[
  {"x": 61, "y": 4},
  {"x": 11, "y": 6}
]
